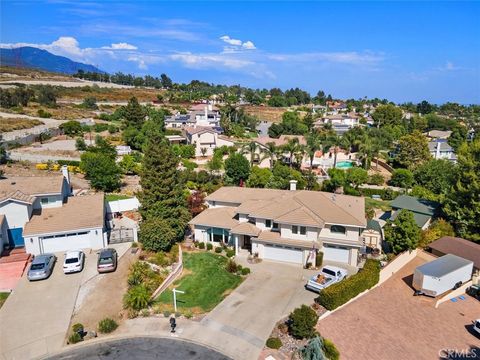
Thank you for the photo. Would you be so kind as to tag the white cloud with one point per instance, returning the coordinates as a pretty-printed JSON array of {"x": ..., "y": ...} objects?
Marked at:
[
  {"x": 449, "y": 66},
  {"x": 236, "y": 44},
  {"x": 198, "y": 61},
  {"x": 347, "y": 57},
  {"x": 120, "y": 46}
]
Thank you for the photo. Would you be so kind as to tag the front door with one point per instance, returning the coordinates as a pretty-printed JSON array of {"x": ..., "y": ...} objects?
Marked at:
[
  {"x": 247, "y": 243},
  {"x": 15, "y": 237}
]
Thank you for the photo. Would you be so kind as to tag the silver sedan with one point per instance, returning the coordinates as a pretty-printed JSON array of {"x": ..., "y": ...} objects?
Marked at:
[{"x": 41, "y": 267}]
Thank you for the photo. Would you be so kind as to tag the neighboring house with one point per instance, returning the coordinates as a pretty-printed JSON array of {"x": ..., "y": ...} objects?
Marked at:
[
  {"x": 78, "y": 224},
  {"x": 40, "y": 214},
  {"x": 439, "y": 134},
  {"x": 205, "y": 115},
  {"x": 261, "y": 156},
  {"x": 423, "y": 210},
  {"x": 340, "y": 123},
  {"x": 205, "y": 138},
  {"x": 284, "y": 225},
  {"x": 372, "y": 236},
  {"x": 439, "y": 149},
  {"x": 460, "y": 247}
]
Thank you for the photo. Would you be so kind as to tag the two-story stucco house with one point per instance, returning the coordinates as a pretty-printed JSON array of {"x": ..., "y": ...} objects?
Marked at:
[
  {"x": 439, "y": 149},
  {"x": 284, "y": 225},
  {"x": 40, "y": 214},
  {"x": 205, "y": 138}
]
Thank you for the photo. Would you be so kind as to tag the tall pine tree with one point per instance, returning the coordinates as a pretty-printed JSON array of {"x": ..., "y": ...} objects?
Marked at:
[
  {"x": 162, "y": 194},
  {"x": 134, "y": 114}
]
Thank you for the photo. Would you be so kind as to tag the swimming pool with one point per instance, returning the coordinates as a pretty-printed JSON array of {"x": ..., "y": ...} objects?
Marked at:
[{"x": 344, "y": 165}]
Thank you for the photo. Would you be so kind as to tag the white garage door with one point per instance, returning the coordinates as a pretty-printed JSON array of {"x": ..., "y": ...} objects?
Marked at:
[
  {"x": 339, "y": 254},
  {"x": 283, "y": 253},
  {"x": 73, "y": 241}
]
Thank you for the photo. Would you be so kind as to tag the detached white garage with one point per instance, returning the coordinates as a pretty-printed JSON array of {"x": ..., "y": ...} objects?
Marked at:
[
  {"x": 77, "y": 224},
  {"x": 283, "y": 253},
  {"x": 336, "y": 253}
]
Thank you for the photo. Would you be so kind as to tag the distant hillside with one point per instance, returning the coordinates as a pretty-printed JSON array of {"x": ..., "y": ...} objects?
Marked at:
[{"x": 30, "y": 57}]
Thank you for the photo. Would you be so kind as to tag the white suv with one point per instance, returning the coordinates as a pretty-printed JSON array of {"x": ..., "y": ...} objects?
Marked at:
[{"x": 73, "y": 262}]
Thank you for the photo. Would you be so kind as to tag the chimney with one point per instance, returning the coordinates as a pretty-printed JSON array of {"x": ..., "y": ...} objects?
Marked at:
[
  {"x": 210, "y": 107},
  {"x": 206, "y": 112},
  {"x": 65, "y": 173},
  {"x": 293, "y": 185},
  {"x": 438, "y": 150}
]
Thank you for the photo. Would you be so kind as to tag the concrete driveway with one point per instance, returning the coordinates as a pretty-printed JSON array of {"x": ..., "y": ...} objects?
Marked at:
[
  {"x": 270, "y": 293},
  {"x": 36, "y": 316}
]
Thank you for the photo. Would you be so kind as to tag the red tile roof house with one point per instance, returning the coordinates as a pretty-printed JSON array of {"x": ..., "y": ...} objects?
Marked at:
[
  {"x": 41, "y": 216},
  {"x": 284, "y": 225}
]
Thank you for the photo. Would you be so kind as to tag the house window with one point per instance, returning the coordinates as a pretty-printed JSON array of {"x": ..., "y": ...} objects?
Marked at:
[
  {"x": 303, "y": 230},
  {"x": 44, "y": 200},
  {"x": 275, "y": 226},
  {"x": 295, "y": 229},
  {"x": 268, "y": 223},
  {"x": 338, "y": 229}
]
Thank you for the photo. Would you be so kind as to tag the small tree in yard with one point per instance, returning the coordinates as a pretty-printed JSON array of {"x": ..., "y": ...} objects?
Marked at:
[
  {"x": 404, "y": 233},
  {"x": 157, "y": 234},
  {"x": 302, "y": 322},
  {"x": 237, "y": 168},
  {"x": 71, "y": 128},
  {"x": 196, "y": 203},
  {"x": 101, "y": 170},
  {"x": 137, "y": 298},
  {"x": 107, "y": 325},
  {"x": 402, "y": 178}
]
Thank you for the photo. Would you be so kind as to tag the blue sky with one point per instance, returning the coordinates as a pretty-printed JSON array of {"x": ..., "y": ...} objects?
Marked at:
[{"x": 403, "y": 51}]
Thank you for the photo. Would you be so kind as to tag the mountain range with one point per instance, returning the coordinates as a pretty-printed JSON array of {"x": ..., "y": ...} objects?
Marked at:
[{"x": 34, "y": 58}]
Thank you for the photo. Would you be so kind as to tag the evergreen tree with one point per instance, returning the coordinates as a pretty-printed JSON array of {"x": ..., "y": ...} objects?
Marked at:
[
  {"x": 463, "y": 205},
  {"x": 134, "y": 114},
  {"x": 162, "y": 189}
]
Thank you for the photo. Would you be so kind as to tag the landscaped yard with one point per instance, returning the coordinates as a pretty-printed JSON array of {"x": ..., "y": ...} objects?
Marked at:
[
  {"x": 3, "y": 298},
  {"x": 205, "y": 282},
  {"x": 383, "y": 205}
]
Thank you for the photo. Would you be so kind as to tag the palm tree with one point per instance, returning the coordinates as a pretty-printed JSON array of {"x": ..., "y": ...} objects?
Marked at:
[
  {"x": 292, "y": 147},
  {"x": 337, "y": 142},
  {"x": 366, "y": 150},
  {"x": 271, "y": 151},
  {"x": 250, "y": 148},
  {"x": 314, "y": 143}
]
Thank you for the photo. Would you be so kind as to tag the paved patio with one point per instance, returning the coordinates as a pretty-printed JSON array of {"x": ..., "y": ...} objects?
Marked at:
[{"x": 389, "y": 323}]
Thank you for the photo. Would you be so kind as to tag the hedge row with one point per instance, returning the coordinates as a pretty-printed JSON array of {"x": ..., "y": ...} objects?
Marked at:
[
  {"x": 385, "y": 194},
  {"x": 340, "y": 293},
  {"x": 68, "y": 162}
]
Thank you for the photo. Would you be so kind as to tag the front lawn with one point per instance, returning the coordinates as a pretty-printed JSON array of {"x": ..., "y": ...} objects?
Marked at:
[
  {"x": 206, "y": 283},
  {"x": 383, "y": 205},
  {"x": 3, "y": 298}
]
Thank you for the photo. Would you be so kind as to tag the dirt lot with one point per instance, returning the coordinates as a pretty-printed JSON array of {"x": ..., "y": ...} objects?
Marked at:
[
  {"x": 7, "y": 124},
  {"x": 61, "y": 112},
  {"x": 266, "y": 113},
  {"x": 105, "y": 296},
  {"x": 389, "y": 323}
]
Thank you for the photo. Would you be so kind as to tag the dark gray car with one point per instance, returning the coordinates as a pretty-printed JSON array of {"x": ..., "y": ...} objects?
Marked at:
[
  {"x": 107, "y": 260},
  {"x": 41, "y": 267}
]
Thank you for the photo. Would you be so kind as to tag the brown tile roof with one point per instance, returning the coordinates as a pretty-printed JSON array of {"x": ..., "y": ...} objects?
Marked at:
[
  {"x": 17, "y": 195},
  {"x": 217, "y": 217},
  {"x": 319, "y": 206},
  {"x": 246, "y": 228},
  {"x": 31, "y": 185},
  {"x": 80, "y": 212},
  {"x": 458, "y": 246},
  {"x": 282, "y": 140},
  {"x": 272, "y": 237},
  {"x": 198, "y": 130}
]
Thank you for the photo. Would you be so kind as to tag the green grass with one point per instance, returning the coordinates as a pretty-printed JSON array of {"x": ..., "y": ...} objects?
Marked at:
[
  {"x": 206, "y": 283},
  {"x": 3, "y": 298},
  {"x": 115, "y": 197},
  {"x": 378, "y": 204}
]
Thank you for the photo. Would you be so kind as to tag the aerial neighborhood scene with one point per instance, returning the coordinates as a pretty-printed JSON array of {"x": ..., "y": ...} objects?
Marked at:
[{"x": 252, "y": 180}]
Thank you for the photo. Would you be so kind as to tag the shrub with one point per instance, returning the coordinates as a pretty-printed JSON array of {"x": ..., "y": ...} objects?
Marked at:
[
  {"x": 274, "y": 343},
  {"x": 385, "y": 194},
  {"x": 245, "y": 271},
  {"x": 341, "y": 292},
  {"x": 231, "y": 266},
  {"x": 166, "y": 313},
  {"x": 218, "y": 249},
  {"x": 107, "y": 325},
  {"x": 308, "y": 265},
  {"x": 230, "y": 253},
  {"x": 302, "y": 322},
  {"x": 376, "y": 179},
  {"x": 330, "y": 350},
  {"x": 209, "y": 246},
  {"x": 44, "y": 114},
  {"x": 74, "y": 338},
  {"x": 188, "y": 314},
  {"x": 137, "y": 297},
  {"x": 77, "y": 327},
  {"x": 201, "y": 245},
  {"x": 319, "y": 259},
  {"x": 68, "y": 162},
  {"x": 283, "y": 328}
]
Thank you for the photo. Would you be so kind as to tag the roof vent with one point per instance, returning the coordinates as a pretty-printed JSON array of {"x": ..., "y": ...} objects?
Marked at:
[{"x": 13, "y": 183}]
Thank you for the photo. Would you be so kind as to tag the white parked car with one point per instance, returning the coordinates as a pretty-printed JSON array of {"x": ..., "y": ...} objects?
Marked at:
[
  {"x": 328, "y": 275},
  {"x": 73, "y": 262}
]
